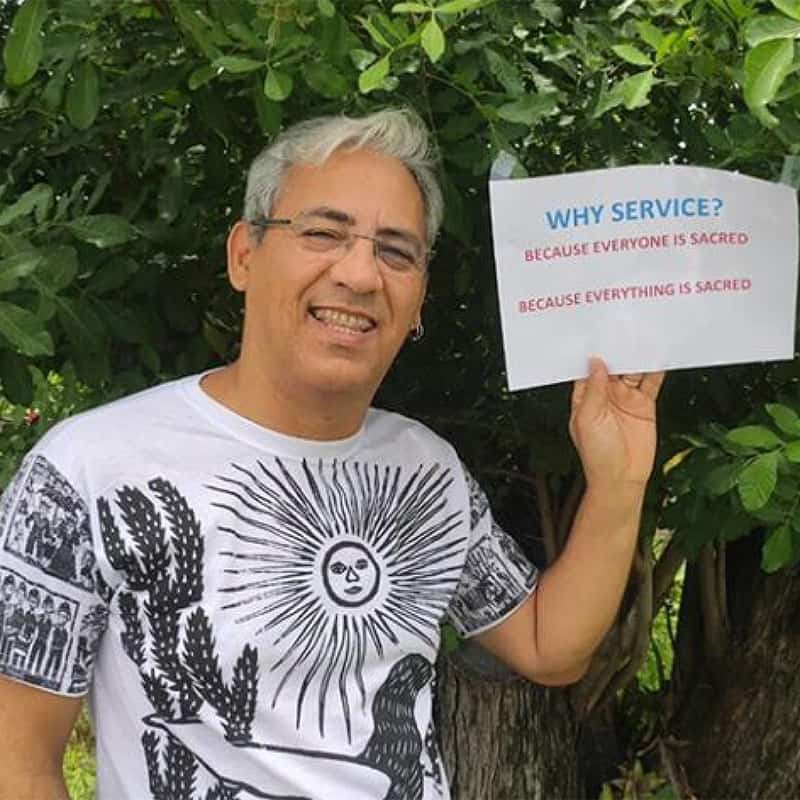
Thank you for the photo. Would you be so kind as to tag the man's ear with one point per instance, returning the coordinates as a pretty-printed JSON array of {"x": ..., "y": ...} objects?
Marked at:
[
  {"x": 422, "y": 297},
  {"x": 241, "y": 245}
]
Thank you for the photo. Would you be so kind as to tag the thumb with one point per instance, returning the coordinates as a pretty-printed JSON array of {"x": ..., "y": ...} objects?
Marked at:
[{"x": 595, "y": 396}]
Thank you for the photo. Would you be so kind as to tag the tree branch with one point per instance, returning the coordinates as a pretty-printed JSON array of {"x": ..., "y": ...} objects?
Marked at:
[
  {"x": 569, "y": 509},
  {"x": 714, "y": 629},
  {"x": 643, "y": 616},
  {"x": 665, "y": 570},
  {"x": 543, "y": 501}
]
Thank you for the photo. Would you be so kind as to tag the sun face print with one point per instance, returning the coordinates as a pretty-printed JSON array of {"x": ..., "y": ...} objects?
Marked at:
[{"x": 336, "y": 561}]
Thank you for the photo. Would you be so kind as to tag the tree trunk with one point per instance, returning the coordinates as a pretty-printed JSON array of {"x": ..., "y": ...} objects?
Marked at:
[
  {"x": 504, "y": 738},
  {"x": 743, "y": 728}
]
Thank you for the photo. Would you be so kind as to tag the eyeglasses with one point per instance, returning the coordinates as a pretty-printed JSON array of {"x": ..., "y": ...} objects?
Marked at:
[{"x": 398, "y": 252}]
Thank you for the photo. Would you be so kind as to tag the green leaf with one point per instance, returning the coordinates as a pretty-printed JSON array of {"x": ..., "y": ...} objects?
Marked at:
[
  {"x": 649, "y": 34},
  {"x": 325, "y": 81},
  {"x": 722, "y": 479},
  {"x": 530, "y": 109},
  {"x": 432, "y": 39},
  {"x": 792, "y": 452},
  {"x": 789, "y": 7},
  {"x": 785, "y": 418},
  {"x": 505, "y": 72},
  {"x": 23, "y": 49},
  {"x": 59, "y": 268},
  {"x": 765, "y": 68},
  {"x": 150, "y": 358},
  {"x": 373, "y": 77},
  {"x": 756, "y": 436},
  {"x": 778, "y": 550},
  {"x": 676, "y": 460},
  {"x": 609, "y": 98},
  {"x": 457, "y": 6},
  {"x": 81, "y": 324},
  {"x": 102, "y": 230},
  {"x": 410, "y": 8},
  {"x": 326, "y": 8},
  {"x": 17, "y": 266},
  {"x": 24, "y": 330},
  {"x": 636, "y": 89},
  {"x": 374, "y": 32},
  {"x": 112, "y": 275},
  {"x": 633, "y": 55},
  {"x": 37, "y": 198},
  {"x": 277, "y": 85},
  {"x": 237, "y": 64},
  {"x": 15, "y": 378},
  {"x": 201, "y": 76},
  {"x": 83, "y": 96},
  {"x": 268, "y": 113},
  {"x": 757, "y": 481},
  {"x": 760, "y": 29}
]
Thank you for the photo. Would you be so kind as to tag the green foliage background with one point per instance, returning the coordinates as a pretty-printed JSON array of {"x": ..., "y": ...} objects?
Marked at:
[{"x": 126, "y": 127}]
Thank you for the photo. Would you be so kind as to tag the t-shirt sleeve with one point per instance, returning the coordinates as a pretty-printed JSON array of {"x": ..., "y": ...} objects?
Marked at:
[
  {"x": 497, "y": 577},
  {"x": 53, "y": 600}
]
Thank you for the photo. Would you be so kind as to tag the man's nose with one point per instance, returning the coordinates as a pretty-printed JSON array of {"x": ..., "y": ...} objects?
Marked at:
[
  {"x": 358, "y": 269},
  {"x": 351, "y": 576}
]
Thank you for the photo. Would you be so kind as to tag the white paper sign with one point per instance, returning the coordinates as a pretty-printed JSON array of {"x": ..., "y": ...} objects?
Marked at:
[{"x": 649, "y": 267}]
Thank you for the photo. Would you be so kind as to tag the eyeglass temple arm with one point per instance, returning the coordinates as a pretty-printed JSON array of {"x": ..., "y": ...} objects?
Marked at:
[{"x": 267, "y": 221}]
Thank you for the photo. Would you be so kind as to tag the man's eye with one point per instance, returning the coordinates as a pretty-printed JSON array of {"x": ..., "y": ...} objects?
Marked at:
[
  {"x": 397, "y": 255},
  {"x": 323, "y": 234},
  {"x": 338, "y": 568}
]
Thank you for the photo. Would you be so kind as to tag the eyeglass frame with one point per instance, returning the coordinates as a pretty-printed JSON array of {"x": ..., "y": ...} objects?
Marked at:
[{"x": 285, "y": 222}]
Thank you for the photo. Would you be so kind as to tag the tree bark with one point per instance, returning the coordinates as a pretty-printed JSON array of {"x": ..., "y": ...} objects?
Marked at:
[
  {"x": 746, "y": 745},
  {"x": 504, "y": 738}
]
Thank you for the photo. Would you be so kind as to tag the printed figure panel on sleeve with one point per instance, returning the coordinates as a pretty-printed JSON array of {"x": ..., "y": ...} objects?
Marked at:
[
  {"x": 53, "y": 600},
  {"x": 497, "y": 577}
]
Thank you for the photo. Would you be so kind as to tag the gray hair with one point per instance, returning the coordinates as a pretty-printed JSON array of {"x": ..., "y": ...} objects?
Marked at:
[{"x": 398, "y": 133}]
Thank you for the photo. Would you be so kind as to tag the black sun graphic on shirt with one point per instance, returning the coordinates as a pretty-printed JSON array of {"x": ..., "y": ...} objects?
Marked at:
[{"x": 340, "y": 558}]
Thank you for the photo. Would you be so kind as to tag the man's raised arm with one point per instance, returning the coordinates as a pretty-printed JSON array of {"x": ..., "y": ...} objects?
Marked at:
[{"x": 552, "y": 636}]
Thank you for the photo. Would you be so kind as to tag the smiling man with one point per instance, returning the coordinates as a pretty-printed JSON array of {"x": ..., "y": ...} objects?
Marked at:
[{"x": 252, "y": 565}]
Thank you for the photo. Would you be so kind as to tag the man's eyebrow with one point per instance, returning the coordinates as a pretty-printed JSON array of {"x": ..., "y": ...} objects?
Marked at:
[{"x": 333, "y": 214}]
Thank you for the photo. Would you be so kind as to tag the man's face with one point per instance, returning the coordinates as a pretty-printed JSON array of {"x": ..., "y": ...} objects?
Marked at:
[{"x": 318, "y": 323}]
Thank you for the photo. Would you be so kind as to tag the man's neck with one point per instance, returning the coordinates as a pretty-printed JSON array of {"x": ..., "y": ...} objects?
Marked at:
[{"x": 303, "y": 414}]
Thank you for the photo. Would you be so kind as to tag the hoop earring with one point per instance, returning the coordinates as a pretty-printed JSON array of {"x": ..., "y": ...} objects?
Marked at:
[{"x": 418, "y": 332}]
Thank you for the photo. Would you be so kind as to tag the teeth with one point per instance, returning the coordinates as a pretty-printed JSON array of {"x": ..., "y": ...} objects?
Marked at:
[{"x": 339, "y": 319}]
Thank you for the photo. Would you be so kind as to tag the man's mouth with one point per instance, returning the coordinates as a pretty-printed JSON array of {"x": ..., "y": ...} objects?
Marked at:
[{"x": 343, "y": 321}]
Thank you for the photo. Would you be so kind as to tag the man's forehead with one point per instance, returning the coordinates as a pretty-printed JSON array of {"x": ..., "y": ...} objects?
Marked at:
[{"x": 353, "y": 182}]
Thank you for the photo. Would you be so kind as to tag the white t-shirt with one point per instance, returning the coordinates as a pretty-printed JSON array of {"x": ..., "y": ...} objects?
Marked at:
[{"x": 253, "y": 615}]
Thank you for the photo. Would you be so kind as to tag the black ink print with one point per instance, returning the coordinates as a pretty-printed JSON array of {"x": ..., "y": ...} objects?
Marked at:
[
  {"x": 496, "y": 577},
  {"x": 93, "y": 626},
  {"x": 36, "y": 630},
  {"x": 388, "y": 768},
  {"x": 48, "y": 525},
  {"x": 338, "y": 565},
  {"x": 478, "y": 502}
]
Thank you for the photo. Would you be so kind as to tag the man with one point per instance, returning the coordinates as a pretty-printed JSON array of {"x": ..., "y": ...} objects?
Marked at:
[{"x": 274, "y": 556}]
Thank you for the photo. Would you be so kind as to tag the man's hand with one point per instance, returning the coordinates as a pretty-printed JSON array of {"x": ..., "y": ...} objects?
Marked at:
[{"x": 613, "y": 426}]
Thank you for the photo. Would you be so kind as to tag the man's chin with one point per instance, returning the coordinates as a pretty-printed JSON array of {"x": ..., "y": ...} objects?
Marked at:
[{"x": 346, "y": 381}]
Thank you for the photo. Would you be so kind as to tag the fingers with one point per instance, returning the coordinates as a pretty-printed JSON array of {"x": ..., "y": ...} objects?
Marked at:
[
  {"x": 651, "y": 383},
  {"x": 632, "y": 379}
]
